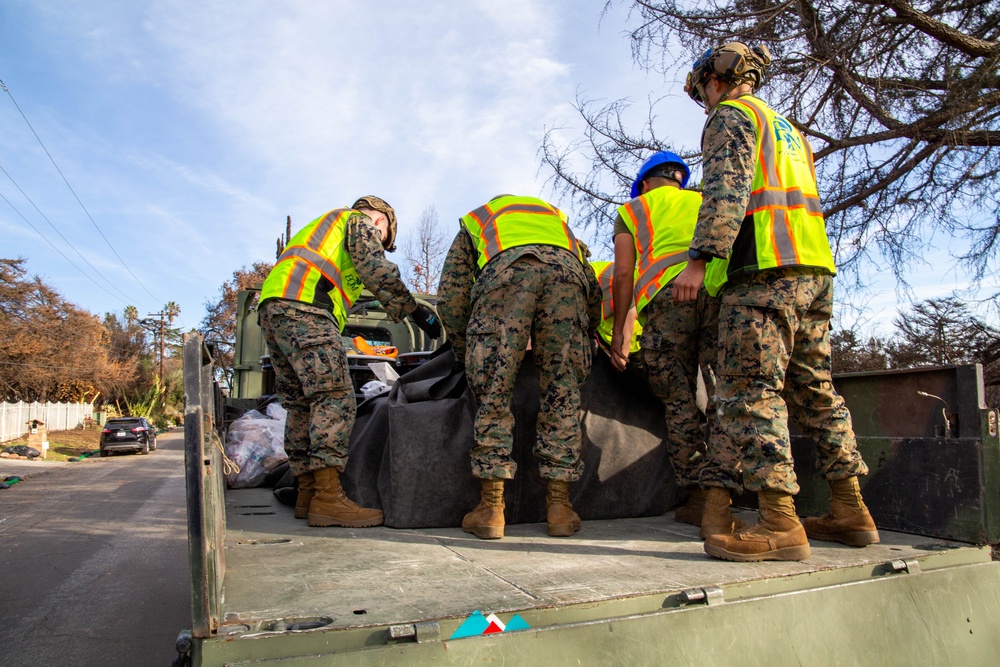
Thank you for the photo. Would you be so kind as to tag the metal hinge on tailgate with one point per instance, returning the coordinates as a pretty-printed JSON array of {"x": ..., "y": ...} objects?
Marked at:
[
  {"x": 908, "y": 565},
  {"x": 418, "y": 632},
  {"x": 710, "y": 595}
]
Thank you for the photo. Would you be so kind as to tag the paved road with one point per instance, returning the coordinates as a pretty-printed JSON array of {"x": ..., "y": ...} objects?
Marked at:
[{"x": 93, "y": 561}]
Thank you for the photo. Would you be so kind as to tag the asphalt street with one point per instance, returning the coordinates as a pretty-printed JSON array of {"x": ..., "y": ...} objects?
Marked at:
[{"x": 93, "y": 560}]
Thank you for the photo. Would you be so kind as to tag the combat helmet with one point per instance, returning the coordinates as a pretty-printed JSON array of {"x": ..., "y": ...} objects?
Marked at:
[
  {"x": 382, "y": 206},
  {"x": 733, "y": 62}
]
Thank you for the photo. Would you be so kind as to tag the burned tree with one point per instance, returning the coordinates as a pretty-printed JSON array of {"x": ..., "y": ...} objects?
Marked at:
[{"x": 901, "y": 102}]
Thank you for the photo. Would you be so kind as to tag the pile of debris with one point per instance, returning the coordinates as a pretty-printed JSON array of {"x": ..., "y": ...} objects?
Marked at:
[{"x": 22, "y": 452}]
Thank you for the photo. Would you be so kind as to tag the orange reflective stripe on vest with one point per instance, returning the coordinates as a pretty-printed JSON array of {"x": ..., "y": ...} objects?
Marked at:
[
  {"x": 784, "y": 200},
  {"x": 317, "y": 251},
  {"x": 508, "y": 222},
  {"x": 662, "y": 223}
]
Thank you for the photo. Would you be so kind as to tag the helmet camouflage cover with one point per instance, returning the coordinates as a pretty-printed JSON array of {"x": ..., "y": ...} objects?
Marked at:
[
  {"x": 733, "y": 62},
  {"x": 374, "y": 203}
]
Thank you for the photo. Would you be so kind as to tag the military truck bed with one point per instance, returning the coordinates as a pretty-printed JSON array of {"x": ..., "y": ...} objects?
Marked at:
[
  {"x": 268, "y": 589},
  {"x": 279, "y": 567}
]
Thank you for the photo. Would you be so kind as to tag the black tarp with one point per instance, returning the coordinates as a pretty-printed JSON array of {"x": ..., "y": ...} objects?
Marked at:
[{"x": 409, "y": 452}]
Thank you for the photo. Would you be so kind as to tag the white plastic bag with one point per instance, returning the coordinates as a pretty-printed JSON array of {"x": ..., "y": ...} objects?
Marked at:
[
  {"x": 374, "y": 388},
  {"x": 255, "y": 443}
]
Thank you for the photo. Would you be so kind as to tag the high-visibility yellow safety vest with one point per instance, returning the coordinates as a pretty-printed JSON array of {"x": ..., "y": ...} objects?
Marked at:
[
  {"x": 316, "y": 252},
  {"x": 508, "y": 222},
  {"x": 789, "y": 229},
  {"x": 662, "y": 224},
  {"x": 605, "y": 275}
]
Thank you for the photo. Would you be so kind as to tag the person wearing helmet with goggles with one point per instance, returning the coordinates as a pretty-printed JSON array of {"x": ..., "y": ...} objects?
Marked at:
[
  {"x": 304, "y": 305},
  {"x": 651, "y": 237},
  {"x": 762, "y": 212}
]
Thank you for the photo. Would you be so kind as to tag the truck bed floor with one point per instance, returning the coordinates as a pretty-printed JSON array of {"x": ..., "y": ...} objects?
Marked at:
[{"x": 278, "y": 567}]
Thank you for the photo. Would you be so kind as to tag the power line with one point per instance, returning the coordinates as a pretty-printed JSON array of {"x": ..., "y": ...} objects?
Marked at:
[
  {"x": 93, "y": 222},
  {"x": 23, "y": 193},
  {"x": 82, "y": 272}
]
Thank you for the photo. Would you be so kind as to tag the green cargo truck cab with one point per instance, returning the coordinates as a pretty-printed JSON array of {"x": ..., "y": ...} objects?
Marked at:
[{"x": 267, "y": 589}]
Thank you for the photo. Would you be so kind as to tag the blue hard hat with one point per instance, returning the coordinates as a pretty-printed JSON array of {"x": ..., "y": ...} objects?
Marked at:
[{"x": 663, "y": 157}]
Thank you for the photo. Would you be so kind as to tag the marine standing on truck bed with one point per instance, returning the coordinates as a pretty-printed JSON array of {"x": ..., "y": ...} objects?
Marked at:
[
  {"x": 761, "y": 210},
  {"x": 304, "y": 305},
  {"x": 515, "y": 272},
  {"x": 655, "y": 229}
]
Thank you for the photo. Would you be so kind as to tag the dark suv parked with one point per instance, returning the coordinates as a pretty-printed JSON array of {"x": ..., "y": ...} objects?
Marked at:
[{"x": 128, "y": 434}]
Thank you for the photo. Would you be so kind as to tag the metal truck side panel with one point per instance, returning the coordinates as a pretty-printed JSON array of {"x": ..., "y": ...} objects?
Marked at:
[{"x": 925, "y": 616}]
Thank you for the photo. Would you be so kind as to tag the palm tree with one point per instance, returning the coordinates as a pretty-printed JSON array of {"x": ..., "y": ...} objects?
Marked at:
[
  {"x": 171, "y": 310},
  {"x": 131, "y": 315}
]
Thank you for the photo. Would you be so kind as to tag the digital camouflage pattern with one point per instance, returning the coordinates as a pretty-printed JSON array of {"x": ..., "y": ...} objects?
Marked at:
[
  {"x": 460, "y": 285},
  {"x": 537, "y": 292},
  {"x": 310, "y": 362},
  {"x": 677, "y": 339},
  {"x": 774, "y": 364},
  {"x": 774, "y": 327},
  {"x": 378, "y": 274},
  {"x": 727, "y": 145},
  {"x": 312, "y": 383}
]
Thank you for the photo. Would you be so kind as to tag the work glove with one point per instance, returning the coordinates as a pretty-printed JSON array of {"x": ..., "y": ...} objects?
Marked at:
[{"x": 427, "y": 320}]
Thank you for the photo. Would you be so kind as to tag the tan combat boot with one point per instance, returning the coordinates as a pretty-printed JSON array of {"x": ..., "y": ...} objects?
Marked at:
[
  {"x": 691, "y": 511},
  {"x": 562, "y": 520},
  {"x": 330, "y": 507},
  {"x": 486, "y": 521},
  {"x": 777, "y": 536},
  {"x": 718, "y": 519},
  {"x": 848, "y": 522},
  {"x": 307, "y": 488}
]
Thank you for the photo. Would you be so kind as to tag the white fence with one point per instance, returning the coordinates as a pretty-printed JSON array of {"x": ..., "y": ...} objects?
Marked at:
[{"x": 14, "y": 417}]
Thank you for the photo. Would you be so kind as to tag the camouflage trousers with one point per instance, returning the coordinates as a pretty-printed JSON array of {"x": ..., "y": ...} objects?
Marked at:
[
  {"x": 774, "y": 364},
  {"x": 677, "y": 340},
  {"x": 312, "y": 382},
  {"x": 548, "y": 304}
]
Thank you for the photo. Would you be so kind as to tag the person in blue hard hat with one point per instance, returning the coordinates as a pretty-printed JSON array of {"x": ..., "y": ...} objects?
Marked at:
[{"x": 651, "y": 238}]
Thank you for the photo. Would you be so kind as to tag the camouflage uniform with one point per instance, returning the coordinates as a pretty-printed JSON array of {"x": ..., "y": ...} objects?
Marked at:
[
  {"x": 310, "y": 362},
  {"x": 677, "y": 340},
  {"x": 774, "y": 326},
  {"x": 534, "y": 291}
]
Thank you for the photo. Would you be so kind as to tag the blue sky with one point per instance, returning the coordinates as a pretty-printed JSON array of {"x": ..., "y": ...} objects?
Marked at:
[{"x": 190, "y": 130}]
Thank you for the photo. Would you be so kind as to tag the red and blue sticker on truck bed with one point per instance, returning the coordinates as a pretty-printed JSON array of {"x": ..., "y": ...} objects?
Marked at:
[{"x": 477, "y": 624}]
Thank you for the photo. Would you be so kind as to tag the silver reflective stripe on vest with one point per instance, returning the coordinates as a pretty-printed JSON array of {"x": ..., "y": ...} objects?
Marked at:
[
  {"x": 649, "y": 275},
  {"x": 296, "y": 279},
  {"x": 645, "y": 240},
  {"x": 783, "y": 199},
  {"x": 328, "y": 268},
  {"x": 490, "y": 233},
  {"x": 783, "y": 238},
  {"x": 608, "y": 304},
  {"x": 773, "y": 198},
  {"x": 323, "y": 228},
  {"x": 767, "y": 147},
  {"x": 652, "y": 274}
]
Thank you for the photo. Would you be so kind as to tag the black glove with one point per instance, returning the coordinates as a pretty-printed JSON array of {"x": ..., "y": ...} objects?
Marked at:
[{"x": 427, "y": 320}]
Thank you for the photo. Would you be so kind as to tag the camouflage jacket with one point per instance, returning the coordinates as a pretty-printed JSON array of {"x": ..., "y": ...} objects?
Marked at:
[
  {"x": 462, "y": 282},
  {"x": 728, "y": 146},
  {"x": 378, "y": 274}
]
